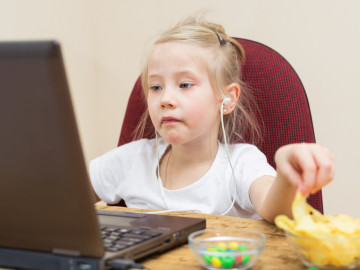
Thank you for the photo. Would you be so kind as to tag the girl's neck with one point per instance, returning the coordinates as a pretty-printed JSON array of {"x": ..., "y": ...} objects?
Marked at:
[
  {"x": 183, "y": 165},
  {"x": 192, "y": 154}
]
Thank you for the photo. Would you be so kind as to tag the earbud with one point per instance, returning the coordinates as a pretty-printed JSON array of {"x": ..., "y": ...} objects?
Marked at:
[{"x": 227, "y": 101}]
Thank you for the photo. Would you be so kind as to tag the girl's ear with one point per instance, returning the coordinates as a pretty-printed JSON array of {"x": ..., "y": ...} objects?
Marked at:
[{"x": 234, "y": 92}]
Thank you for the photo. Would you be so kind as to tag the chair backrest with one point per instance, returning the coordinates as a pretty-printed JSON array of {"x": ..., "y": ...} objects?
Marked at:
[{"x": 280, "y": 96}]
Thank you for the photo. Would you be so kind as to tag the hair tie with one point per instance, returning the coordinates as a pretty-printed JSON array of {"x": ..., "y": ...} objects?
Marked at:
[{"x": 221, "y": 41}]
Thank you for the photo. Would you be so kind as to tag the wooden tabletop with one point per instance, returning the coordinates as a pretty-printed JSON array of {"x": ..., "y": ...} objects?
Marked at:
[{"x": 276, "y": 255}]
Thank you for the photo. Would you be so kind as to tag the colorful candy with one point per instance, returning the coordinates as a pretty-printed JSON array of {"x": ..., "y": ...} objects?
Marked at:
[
  {"x": 233, "y": 245},
  {"x": 222, "y": 247},
  {"x": 246, "y": 259},
  {"x": 227, "y": 261},
  {"x": 215, "y": 261}
]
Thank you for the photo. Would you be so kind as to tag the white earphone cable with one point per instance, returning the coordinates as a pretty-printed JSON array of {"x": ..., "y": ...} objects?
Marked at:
[
  {"x": 158, "y": 172},
  {"x": 228, "y": 157}
]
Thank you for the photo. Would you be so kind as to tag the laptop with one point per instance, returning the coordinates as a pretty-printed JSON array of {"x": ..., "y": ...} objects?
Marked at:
[{"x": 48, "y": 219}]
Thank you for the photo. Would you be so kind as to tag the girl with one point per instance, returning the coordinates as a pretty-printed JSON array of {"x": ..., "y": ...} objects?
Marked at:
[{"x": 194, "y": 94}]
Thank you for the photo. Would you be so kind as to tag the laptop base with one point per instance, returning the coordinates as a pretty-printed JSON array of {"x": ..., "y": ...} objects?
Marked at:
[{"x": 26, "y": 259}]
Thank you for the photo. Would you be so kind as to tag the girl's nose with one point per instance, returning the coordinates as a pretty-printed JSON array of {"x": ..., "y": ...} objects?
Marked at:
[{"x": 168, "y": 101}]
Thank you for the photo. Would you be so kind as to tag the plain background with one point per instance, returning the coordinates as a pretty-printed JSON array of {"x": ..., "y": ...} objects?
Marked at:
[{"x": 104, "y": 43}]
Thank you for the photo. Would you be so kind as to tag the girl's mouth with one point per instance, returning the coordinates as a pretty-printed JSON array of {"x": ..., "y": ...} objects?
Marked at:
[{"x": 167, "y": 120}]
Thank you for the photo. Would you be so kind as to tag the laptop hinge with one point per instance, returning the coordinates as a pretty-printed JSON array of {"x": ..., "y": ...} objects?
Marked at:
[{"x": 67, "y": 252}]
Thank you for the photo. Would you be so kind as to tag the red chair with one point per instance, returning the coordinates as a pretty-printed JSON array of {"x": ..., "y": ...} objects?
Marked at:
[{"x": 280, "y": 96}]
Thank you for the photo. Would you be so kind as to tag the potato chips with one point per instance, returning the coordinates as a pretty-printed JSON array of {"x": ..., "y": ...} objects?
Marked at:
[{"x": 322, "y": 240}]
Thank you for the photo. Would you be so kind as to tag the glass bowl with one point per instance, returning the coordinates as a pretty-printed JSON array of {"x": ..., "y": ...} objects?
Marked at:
[
  {"x": 227, "y": 248},
  {"x": 326, "y": 253}
]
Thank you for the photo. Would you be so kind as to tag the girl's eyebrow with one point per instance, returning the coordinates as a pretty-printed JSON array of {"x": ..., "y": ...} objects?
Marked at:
[
  {"x": 186, "y": 73},
  {"x": 153, "y": 76},
  {"x": 176, "y": 74}
]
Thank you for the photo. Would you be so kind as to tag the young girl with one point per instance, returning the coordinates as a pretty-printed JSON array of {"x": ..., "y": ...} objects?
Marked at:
[{"x": 191, "y": 82}]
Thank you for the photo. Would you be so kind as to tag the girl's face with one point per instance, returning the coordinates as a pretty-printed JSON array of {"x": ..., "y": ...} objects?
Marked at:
[{"x": 182, "y": 104}]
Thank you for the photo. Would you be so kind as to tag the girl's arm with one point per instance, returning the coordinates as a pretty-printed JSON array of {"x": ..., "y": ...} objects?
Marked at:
[{"x": 303, "y": 167}]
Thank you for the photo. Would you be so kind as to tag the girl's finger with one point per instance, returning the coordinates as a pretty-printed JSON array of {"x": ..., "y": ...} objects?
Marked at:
[{"x": 325, "y": 169}]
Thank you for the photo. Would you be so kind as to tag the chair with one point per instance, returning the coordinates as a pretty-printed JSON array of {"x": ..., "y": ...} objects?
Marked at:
[{"x": 279, "y": 93}]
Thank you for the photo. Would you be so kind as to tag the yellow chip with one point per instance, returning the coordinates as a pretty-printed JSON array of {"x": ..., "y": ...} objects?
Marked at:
[
  {"x": 344, "y": 224},
  {"x": 299, "y": 208},
  {"x": 284, "y": 223}
]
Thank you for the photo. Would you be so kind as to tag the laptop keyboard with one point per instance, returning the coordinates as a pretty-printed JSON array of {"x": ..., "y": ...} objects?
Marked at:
[{"x": 118, "y": 238}]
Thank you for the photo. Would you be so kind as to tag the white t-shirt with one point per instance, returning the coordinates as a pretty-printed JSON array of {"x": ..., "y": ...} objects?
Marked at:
[{"x": 129, "y": 173}]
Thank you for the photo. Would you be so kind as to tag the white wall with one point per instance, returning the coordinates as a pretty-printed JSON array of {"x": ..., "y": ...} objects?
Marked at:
[{"x": 104, "y": 41}]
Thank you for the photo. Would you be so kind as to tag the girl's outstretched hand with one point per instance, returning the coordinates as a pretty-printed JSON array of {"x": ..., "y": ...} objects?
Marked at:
[{"x": 307, "y": 166}]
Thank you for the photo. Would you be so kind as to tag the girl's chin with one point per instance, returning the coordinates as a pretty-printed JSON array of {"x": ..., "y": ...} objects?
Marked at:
[{"x": 173, "y": 139}]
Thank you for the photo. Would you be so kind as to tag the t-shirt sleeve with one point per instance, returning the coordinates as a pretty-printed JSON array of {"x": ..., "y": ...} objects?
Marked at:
[
  {"x": 104, "y": 177},
  {"x": 123, "y": 172},
  {"x": 108, "y": 172},
  {"x": 251, "y": 164}
]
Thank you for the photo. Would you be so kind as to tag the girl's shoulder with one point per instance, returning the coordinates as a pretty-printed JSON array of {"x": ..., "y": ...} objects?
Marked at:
[
  {"x": 251, "y": 157},
  {"x": 143, "y": 147},
  {"x": 243, "y": 149},
  {"x": 147, "y": 143},
  {"x": 134, "y": 153},
  {"x": 134, "y": 147},
  {"x": 244, "y": 152}
]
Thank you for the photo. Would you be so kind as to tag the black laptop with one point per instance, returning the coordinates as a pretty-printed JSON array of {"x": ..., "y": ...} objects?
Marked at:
[{"x": 48, "y": 219}]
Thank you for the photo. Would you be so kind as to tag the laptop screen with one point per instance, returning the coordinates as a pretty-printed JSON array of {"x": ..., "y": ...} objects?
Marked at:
[{"x": 45, "y": 196}]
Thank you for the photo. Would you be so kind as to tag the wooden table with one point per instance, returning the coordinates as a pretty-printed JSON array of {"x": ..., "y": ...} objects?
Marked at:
[{"x": 276, "y": 255}]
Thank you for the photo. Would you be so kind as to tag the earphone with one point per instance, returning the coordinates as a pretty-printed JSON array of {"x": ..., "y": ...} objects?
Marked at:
[{"x": 226, "y": 101}]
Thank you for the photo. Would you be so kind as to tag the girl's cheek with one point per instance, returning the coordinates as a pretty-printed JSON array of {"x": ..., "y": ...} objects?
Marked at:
[{"x": 196, "y": 115}]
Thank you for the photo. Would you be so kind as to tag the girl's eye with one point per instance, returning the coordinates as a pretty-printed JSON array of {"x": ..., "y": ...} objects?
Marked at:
[
  {"x": 185, "y": 85},
  {"x": 155, "y": 88}
]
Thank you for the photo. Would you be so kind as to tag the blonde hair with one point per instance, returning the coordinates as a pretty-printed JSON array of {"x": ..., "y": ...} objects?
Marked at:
[{"x": 224, "y": 69}]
